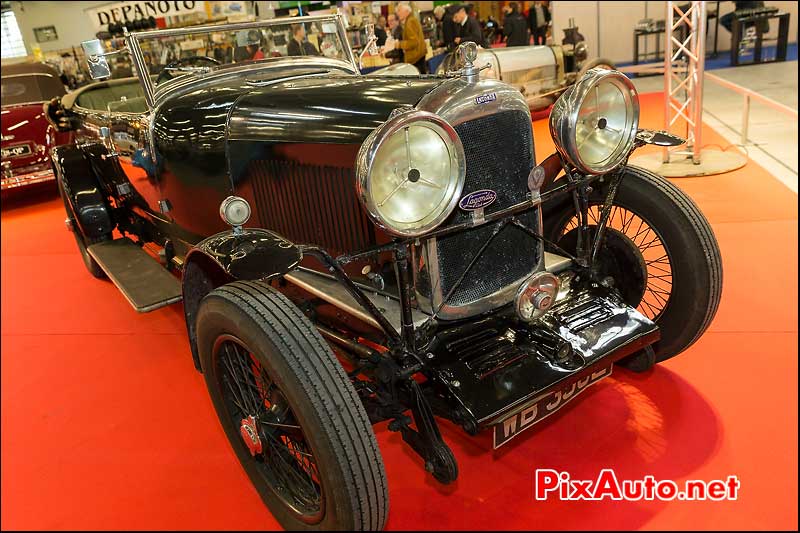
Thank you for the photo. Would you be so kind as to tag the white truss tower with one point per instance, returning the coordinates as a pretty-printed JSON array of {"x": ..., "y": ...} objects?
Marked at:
[{"x": 683, "y": 86}]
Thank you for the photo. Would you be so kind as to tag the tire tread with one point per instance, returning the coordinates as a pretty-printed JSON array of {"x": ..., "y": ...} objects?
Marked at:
[
  {"x": 328, "y": 388},
  {"x": 707, "y": 240}
]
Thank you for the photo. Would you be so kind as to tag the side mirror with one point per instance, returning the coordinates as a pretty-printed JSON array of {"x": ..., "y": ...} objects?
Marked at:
[{"x": 95, "y": 57}]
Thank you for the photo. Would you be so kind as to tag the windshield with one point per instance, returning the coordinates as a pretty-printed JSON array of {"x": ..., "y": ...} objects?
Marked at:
[
  {"x": 189, "y": 51},
  {"x": 28, "y": 88}
]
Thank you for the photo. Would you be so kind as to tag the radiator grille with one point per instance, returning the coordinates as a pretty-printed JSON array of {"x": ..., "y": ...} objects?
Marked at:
[
  {"x": 499, "y": 151},
  {"x": 311, "y": 204}
]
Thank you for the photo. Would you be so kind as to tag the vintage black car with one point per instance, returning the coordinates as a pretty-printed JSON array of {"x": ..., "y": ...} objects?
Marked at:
[{"x": 353, "y": 249}]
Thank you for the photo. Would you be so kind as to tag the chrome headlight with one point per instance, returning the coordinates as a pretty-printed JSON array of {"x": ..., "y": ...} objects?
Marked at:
[
  {"x": 411, "y": 172},
  {"x": 594, "y": 122}
]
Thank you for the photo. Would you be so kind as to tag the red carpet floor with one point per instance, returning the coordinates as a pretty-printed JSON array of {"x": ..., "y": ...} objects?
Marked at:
[{"x": 105, "y": 423}]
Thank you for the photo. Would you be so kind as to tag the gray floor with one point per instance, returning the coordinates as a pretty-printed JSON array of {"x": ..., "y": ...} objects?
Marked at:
[{"x": 772, "y": 136}]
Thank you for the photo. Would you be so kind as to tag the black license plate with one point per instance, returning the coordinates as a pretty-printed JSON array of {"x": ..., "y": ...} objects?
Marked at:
[
  {"x": 16, "y": 151},
  {"x": 544, "y": 406}
]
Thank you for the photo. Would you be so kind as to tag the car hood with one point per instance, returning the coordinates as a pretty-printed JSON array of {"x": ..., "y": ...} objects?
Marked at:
[{"x": 323, "y": 109}]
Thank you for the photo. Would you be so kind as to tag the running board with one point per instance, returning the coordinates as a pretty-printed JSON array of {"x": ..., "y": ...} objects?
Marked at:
[{"x": 141, "y": 279}]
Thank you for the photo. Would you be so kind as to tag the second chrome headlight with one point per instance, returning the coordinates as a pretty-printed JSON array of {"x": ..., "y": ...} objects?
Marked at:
[
  {"x": 594, "y": 122},
  {"x": 411, "y": 173}
]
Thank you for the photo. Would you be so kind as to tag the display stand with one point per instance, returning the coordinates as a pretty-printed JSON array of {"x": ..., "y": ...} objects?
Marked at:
[{"x": 683, "y": 100}]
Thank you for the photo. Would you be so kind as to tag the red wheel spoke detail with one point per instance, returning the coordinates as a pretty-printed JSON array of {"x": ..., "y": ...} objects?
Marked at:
[
  {"x": 656, "y": 268},
  {"x": 641, "y": 236},
  {"x": 660, "y": 291},
  {"x": 286, "y": 461},
  {"x": 657, "y": 295},
  {"x": 243, "y": 397},
  {"x": 627, "y": 222},
  {"x": 639, "y": 230},
  {"x": 663, "y": 259},
  {"x": 650, "y": 312}
]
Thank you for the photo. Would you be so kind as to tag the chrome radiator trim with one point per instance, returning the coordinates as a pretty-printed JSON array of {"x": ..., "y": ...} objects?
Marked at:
[{"x": 461, "y": 102}]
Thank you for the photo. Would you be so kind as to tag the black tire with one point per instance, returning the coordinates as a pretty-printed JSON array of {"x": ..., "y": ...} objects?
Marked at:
[
  {"x": 82, "y": 241},
  {"x": 319, "y": 397},
  {"x": 688, "y": 240},
  {"x": 596, "y": 62}
]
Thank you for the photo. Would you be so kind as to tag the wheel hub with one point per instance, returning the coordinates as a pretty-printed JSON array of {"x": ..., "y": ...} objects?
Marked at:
[
  {"x": 249, "y": 432},
  {"x": 618, "y": 259}
]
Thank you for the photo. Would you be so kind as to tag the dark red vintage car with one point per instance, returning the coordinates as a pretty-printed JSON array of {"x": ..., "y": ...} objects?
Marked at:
[{"x": 27, "y": 135}]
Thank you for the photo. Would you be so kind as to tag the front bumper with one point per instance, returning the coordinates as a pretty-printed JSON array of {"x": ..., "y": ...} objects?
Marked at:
[
  {"x": 29, "y": 178},
  {"x": 497, "y": 367}
]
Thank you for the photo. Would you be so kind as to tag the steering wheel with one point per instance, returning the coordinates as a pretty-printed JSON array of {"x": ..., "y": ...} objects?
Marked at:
[{"x": 194, "y": 61}]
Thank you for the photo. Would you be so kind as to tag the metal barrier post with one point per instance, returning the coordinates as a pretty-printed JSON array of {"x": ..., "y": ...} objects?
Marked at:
[
  {"x": 691, "y": 50},
  {"x": 745, "y": 118},
  {"x": 667, "y": 74},
  {"x": 683, "y": 99},
  {"x": 700, "y": 66}
]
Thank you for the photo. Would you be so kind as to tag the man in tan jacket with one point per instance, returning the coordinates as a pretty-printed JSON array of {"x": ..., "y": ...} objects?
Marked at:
[{"x": 413, "y": 42}]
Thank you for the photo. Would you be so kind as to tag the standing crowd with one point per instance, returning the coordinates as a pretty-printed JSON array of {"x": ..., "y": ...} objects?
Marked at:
[{"x": 402, "y": 37}]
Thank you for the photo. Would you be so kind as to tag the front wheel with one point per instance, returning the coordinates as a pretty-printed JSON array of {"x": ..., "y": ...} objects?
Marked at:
[
  {"x": 290, "y": 412},
  {"x": 659, "y": 251}
]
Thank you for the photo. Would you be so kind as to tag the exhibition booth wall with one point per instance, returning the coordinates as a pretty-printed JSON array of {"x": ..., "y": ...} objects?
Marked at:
[{"x": 600, "y": 22}]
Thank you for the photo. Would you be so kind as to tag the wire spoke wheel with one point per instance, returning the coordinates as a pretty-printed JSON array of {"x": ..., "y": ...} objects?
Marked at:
[
  {"x": 659, "y": 252},
  {"x": 654, "y": 255},
  {"x": 289, "y": 411},
  {"x": 269, "y": 428}
]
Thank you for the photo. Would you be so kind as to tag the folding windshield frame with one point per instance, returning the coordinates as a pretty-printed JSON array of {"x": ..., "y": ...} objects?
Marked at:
[{"x": 133, "y": 41}]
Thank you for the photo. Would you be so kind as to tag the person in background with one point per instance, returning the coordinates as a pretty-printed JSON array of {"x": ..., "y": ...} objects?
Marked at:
[
  {"x": 249, "y": 47},
  {"x": 396, "y": 31},
  {"x": 254, "y": 52},
  {"x": 445, "y": 27},
  {"x": 413, "y": 41},
  {"x": 726, "y": 20},
  {"x": 538, "y": 20},
  {"x": 298, "y": 46},
  {"x": 394, "y": 55},
  {"x": 380, "y": 31},
  {"x": 449, "y": 28},
  {"x": 515, "y": 28},
  {"x": 254, "y": 45},
  {"x": 438, "y": 15},
  {"x": 468, "y": 28},
  {"x": 491, "y": 31}
]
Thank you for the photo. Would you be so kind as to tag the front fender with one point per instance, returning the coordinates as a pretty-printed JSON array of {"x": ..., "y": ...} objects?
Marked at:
[
  {"x": 82, "y": 191},
  {"x": 226, "y": 257}
]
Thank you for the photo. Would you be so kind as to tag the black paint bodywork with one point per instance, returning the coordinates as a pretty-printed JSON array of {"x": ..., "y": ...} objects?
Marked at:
[
  {"x": 500, "y": 365},
  {"x": 286, "y": 141},
  {"x": 81, "y": 190},
  {"x": 248, "y": 254}
]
